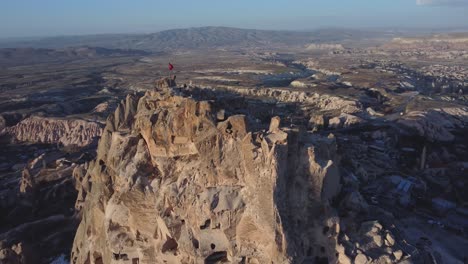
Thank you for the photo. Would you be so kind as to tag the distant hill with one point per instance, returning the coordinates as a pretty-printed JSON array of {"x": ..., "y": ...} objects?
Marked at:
[
  {"x": 20, "y": 56},
  {"x": 198, "y": 38}
]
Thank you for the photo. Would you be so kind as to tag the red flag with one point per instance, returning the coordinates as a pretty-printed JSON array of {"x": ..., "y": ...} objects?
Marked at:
[{"x": 171, "y": 67}]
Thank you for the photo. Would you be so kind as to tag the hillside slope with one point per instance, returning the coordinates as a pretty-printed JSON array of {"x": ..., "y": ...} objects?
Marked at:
[{"x": 199, "y": 38}]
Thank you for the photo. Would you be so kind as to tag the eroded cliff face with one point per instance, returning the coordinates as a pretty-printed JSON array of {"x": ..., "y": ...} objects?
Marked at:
[
  {"x": 173, "y": 184},
  {"x": 321, "y": 101},
  {"x": 69, "y": 132}
]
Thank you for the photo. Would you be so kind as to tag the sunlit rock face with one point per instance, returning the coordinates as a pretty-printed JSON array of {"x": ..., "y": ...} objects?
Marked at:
[
  {"x": 67, "y": 132},
  {"x": 171, "y": 184}
]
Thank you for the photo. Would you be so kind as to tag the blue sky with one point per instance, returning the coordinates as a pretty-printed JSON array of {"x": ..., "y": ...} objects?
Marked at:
[{"x": 21, "y": 18}]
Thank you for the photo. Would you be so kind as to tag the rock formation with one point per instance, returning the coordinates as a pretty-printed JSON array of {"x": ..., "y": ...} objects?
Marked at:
[
  {"x": 166, "y": 82},
  {"x": 325, "y": 102},
  {"x": 171, "y": 184},
  {"x": 38, "y": 212},
  {"x": 53, "y": 130},
  {"x": 344, "y": 120},
  {"x": 436, "y": 124},
  {"x": 324, "y": 46},
  {"x": 2, "y": 123}
]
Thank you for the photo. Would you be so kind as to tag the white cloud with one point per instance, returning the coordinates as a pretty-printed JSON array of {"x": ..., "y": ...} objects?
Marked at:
[{"x": 442, "y": 2}]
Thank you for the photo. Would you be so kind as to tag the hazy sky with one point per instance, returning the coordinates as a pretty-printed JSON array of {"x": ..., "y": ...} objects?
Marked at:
[{"x": 20, "y": 18}]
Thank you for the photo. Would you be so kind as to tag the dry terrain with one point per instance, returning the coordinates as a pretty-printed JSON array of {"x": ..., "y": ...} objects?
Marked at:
[{"x": 259, "y": 147}]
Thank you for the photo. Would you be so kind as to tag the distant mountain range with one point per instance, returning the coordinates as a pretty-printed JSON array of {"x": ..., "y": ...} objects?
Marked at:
[
  {"x": 20, "y": 56},
  {"x": 200, "y": 38}
]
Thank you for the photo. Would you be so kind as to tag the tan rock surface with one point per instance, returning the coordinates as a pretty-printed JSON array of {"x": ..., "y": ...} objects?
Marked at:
[
  {"x": 176, "y": 186},
  {"x": 2, "y": 123},
  {"x": 54, "y": 130},
  {"x": 324, "y": 102}
]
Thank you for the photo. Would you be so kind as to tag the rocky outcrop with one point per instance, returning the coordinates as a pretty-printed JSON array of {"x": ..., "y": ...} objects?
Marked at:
[
  {"x": 36, "y": 174},
  {"x": 37, "y": 220},
  {"x": 2, "y": 123},
  {"x": 324, "y": 46},
  {"x": 171, "y": 184},
  {"x": 344, "y": 121},
  {"x": 16, "y": 254},
  {"x": 54, "y": 130},
  {"x": 436, "y": 124},
  {"x": 323, "y": 102},
  {"x": 166, "y": 82}
]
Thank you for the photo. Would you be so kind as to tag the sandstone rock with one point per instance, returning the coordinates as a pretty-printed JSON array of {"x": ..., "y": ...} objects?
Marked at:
[
  {"x": 298, "y": 84},
  {"x": 220, "y": 115},
  {"x": 335, "y": 122},
  {"x": 125, "y": 112},
  {"x": 336, "y": 103},
  {"x": 389, "y": 240},
  {"x": 166, "y": 82},
  {"x": 378, "y": 240},
  {"x": 27, "y": 183},
  {"x": 323, "y": 101},
  {"x": 360, "y": 259},
  {"x": 2, "y": 123},
  {"x": 274, "y": 124},
  {"x": 383, "y": 259},
  {"x": 41, "y": 184},
  {"x": 9, "y": 256},
  {"x": 372, "y": 112},
  {"x": 344, "y": 121},
  {"x": 398, "y": 254},
  {"x": 342, "y": 257},
  {"x": 177, "y": 186},
  {"x": 101, "y": 108},
  {"x": 317, "y": 121},
  {"x": 53, "y": 130},
  {"x": 350, "y": 120},
  {"x": 83, "y": 185},
  {"x": 325, "y": 46},
  {"x": 435, "y": 124},
  {"x": 371, "y": 238}
]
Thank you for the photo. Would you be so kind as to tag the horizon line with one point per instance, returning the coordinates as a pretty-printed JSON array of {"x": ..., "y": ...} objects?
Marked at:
[{"x": 377, "y": 28}]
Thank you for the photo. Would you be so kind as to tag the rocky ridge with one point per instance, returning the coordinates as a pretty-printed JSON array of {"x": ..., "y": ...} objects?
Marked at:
[
  {"x": 180, "y": 180},
  {"x": 55, "y": 131},
  {"x": 179, "y": 186},
  {"x": 324, "y": 102}
]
